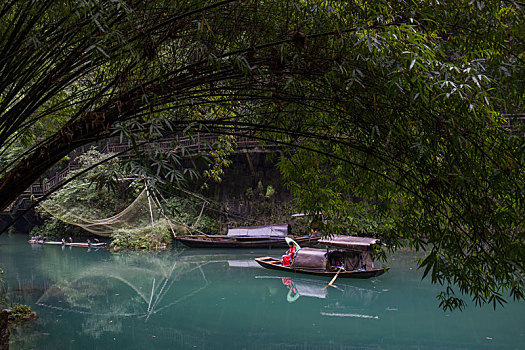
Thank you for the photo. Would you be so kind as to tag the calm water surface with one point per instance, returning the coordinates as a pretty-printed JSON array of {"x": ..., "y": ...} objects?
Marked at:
[{"x": 221, "y": 299}]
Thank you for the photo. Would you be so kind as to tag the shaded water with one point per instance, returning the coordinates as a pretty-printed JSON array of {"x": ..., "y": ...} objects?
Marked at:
[{"x": 221, "y": 299}]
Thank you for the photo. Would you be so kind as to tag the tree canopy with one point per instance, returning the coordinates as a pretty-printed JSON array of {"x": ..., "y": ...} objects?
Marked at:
[{"x": 403, "y": 104}]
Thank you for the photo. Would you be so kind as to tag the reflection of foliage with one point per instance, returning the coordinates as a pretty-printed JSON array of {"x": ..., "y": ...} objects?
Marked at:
[
  {"x": 23, "y": 336},
  {"x": 130, "y": 284},
  {"x": 134, "y": 269},
  {"x": 83, "y": 294},
  {"x": 18, "y": 312},
  {"x": 95, "y": 327}
]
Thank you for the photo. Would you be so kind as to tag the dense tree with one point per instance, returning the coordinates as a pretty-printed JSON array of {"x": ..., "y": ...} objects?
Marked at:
[{"x": 401, "y": 102}]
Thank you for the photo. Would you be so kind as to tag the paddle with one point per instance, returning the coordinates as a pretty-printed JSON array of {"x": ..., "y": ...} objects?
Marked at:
[{"x": 333, "y": 279}]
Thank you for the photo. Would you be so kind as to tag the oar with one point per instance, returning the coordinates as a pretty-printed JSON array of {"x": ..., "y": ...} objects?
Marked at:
[{"x": 333, "y": 279}]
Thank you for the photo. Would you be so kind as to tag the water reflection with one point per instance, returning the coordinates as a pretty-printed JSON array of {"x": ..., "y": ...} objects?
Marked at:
[
  {"x": 222, "y": 299},
  {"x": 303, "y": 288},
  {"x": 340, "y": 300},
  {"x": 126, "y": 285}
]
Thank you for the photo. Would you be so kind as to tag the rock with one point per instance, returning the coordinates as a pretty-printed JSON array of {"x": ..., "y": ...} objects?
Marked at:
[{"x": 4, "y": 330}]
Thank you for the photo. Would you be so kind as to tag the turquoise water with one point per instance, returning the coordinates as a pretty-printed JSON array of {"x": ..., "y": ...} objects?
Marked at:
[{"x": 221, "y": 299}]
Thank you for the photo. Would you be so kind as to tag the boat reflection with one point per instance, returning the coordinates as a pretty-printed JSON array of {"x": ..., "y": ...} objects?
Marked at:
[
  {"x": 341, "y": 300},
  {"x": 303, "y": 288}
]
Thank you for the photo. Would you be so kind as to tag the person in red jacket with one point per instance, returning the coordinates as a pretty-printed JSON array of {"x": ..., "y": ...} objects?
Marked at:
[{"x": 290, "y": 254}]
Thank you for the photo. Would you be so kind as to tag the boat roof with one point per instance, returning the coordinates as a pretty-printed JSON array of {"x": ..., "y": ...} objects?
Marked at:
[
  {"x": 350, "y": 242},
  {"x": 310, "y": 258},
  {"x": 270, "y": 230}
]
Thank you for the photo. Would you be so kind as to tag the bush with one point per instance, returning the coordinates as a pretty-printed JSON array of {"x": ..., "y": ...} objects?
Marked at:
[
  {"x": 145, "y": 237},
  {"x": 54, "y": 229},
  {"x": 21, "y": 313},
  {"x": 188, "y": 213}
]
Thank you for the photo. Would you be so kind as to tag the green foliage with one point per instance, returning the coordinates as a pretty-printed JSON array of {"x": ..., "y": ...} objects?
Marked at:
[
  {"x": 190, "y": 216},
  {"x": 399, "y": 105},
  {"x": 270, "y": 191},
  {"x": 147, "y": 237},
  {"x": 56, "y": 229},
  {"x": 97, "y": 194},
  {"x": 100, "y": 192},
  {"x": 260, "y": 192},
  {"x": 264, "y": 207},
  {"x": 21, "y": 313},
  {"x": 220, "y": 155}
]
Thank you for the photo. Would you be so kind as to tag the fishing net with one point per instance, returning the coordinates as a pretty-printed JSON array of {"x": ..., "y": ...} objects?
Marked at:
[{"x": 144, "y": 211}]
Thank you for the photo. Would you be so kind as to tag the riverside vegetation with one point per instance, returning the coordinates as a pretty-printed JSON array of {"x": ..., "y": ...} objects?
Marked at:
[{"x": 411, "y": 107}]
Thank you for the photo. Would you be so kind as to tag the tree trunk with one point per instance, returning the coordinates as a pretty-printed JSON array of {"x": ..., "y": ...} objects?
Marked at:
[{"x": 91, "y": 127}]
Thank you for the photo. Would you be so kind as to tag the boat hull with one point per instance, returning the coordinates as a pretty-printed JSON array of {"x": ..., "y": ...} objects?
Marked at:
[
  {"x": 203, "y": 241},
  {"x": 275, "y": 264}
]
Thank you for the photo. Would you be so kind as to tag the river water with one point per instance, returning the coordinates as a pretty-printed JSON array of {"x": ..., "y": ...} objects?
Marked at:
[{"x": 221, "y": 299}]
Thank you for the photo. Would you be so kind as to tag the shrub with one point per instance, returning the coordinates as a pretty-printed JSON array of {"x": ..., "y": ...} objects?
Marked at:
[{"x": 145, "y": 237}]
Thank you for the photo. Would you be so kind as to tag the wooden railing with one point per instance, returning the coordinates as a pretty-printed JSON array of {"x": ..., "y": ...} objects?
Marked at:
[{"x": 198, "y": 144}]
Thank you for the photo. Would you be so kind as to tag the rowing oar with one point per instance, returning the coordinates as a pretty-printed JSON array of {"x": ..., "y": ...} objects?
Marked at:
[{"x": 333, "y": 279}]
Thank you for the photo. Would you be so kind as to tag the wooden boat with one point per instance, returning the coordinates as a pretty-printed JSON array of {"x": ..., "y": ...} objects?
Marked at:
[
  {"x": 275, "y": 264},
  {"x": 351, "y": 259},
  {"x": 248, "y": 237},
  {"x": 224, "y": 241},
  {"x": 70, "y": 244}
]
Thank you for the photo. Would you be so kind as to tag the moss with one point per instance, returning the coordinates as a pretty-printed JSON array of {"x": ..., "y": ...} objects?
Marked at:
[{"x": 20, "y": 313}]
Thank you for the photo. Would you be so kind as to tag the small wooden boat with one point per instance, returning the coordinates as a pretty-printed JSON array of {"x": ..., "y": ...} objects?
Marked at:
[
  {"x": 275, "y": 264},
  {"x": 248, "y": 237},
  {"x": 351, "y": 259},
  {"x": 70, "y": 244}
]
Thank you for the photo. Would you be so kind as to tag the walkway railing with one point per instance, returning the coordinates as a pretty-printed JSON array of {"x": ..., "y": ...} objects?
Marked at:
[{"x": 192, "y": 146}]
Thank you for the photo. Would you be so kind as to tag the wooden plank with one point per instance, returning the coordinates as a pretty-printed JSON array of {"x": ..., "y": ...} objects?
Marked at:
[{"x": 78, "y": 244}]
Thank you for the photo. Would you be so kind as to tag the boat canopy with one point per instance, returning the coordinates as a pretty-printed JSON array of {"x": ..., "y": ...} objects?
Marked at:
[
  {"x": 350, "y": 242},
  {"x": 260, "y": 231},
  {"x": 323, "y": 259},
  {"x": 310, "y": 258}
]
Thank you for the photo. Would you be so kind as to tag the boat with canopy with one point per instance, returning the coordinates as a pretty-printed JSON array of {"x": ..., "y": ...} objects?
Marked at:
[
  {"x": 272, "y": 236},
  {"x": 345, "y": 256}
]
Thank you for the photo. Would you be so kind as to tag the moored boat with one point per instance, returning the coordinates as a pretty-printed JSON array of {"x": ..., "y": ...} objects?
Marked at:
[{"x": 248, "y": 237}]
